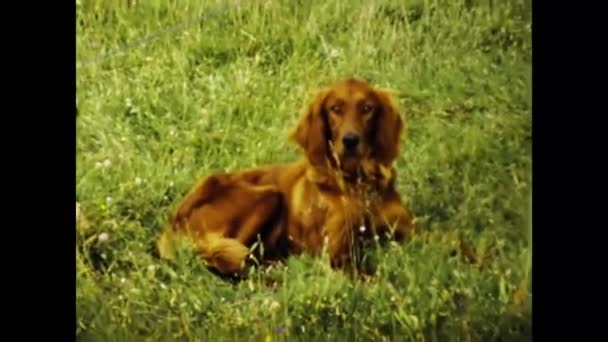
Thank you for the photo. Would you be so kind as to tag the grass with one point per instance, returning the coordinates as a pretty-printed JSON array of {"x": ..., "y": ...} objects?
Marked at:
[{"x": 224, "y": 93}]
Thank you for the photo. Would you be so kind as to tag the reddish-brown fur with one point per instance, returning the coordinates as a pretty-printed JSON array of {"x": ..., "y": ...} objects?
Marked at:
[{"x": 324, "y": 197}]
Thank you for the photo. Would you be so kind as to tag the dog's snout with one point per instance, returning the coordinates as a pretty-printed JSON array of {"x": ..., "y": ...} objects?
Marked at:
[{"x": 350, "y": 140}]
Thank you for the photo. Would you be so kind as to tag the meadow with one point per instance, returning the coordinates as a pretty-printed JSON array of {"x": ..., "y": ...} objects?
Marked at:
[{"x": 223, "y": 94}]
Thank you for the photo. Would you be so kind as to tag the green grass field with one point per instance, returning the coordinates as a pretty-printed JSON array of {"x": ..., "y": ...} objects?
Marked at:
[{"x": 223, "y": 94}]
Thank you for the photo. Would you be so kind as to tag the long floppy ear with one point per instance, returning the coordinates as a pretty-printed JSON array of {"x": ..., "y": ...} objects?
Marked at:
[
  {"x": 311, "y": 133},
  {"x": 388, "y": 129}
]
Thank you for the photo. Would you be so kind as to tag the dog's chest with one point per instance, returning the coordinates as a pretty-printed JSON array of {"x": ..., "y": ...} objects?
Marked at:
[
  {"x": 307, "y": 204},
  {"x": 313, "y": 212}
]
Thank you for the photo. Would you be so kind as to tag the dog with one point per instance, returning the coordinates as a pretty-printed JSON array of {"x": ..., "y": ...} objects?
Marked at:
[{"x": 341, "y": 191}]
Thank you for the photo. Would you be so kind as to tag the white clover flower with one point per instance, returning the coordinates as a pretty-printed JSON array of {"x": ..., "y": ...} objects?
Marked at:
[{"x": 103, "y": 237}]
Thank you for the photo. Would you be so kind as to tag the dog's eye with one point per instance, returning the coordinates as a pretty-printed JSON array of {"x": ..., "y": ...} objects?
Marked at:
[
  {"x": 335, "y": 109},
  {"x": 367, "y": 109}
]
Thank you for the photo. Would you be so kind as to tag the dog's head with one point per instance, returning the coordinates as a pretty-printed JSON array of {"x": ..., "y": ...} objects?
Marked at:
[{"x": 352, "y": 121}]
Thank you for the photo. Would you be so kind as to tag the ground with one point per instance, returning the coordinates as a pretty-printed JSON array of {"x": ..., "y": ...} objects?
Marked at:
[{"x": 223, "y": 93}]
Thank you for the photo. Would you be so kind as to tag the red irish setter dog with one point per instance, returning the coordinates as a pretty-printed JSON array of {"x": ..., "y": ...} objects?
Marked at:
[{"x": 342, "y": 190}]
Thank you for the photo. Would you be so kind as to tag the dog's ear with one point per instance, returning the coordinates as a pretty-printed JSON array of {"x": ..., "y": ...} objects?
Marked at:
[
  {"x": 312, "y": 131},
  {"x": 389, "y": 128}
]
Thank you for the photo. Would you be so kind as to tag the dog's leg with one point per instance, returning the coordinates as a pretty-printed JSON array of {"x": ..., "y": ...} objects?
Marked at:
[
  {"x": 202, "y": 192},
  {"x": 393, "y": 217},
  {"x": 226, "y": 255},
  {"x": 216, "y": 185},
  {"x": 225, "y": 228},
  {"x": 341, "y": 241}
]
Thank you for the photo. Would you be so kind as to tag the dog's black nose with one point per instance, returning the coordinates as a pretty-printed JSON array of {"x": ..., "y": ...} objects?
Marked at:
[{"x": 350, "y": 140}]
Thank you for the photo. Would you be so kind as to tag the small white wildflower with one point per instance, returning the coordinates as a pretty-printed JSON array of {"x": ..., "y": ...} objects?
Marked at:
[
  {"x": 107, "y": 163},
  {"x": 362, "y": 229},
  {"x": 120, "y": 297},
  {"x": 171, "y": 132},
  {"x": 137, "y": 181},
  {"x": 393, "y": 299},
  {"x": 274, "y": 306},
  {"x": 103, "y": 237},
  {"x": 165, "y": 198},
  {"x": 108, "y": 200},
  {"x": 98, "y": 165},
  {"x": 123, "y": 139},
  {"x": 376, "y": 237},
  {"x": 171, "y": 183},
  {"x": 163, "y": 286},
  {"x": 123, "y": 280},
  {"x": 148, "y": 59},
  {"x": 334, "y": 53},
  {"x": 151, "y": 268}
]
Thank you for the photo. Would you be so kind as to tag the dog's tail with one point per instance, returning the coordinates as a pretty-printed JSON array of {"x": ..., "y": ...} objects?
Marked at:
[{"x": 226, "y": 255}]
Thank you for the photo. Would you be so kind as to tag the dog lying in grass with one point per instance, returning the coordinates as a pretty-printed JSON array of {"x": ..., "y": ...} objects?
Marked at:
[{"x": 342, "y": 190}]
